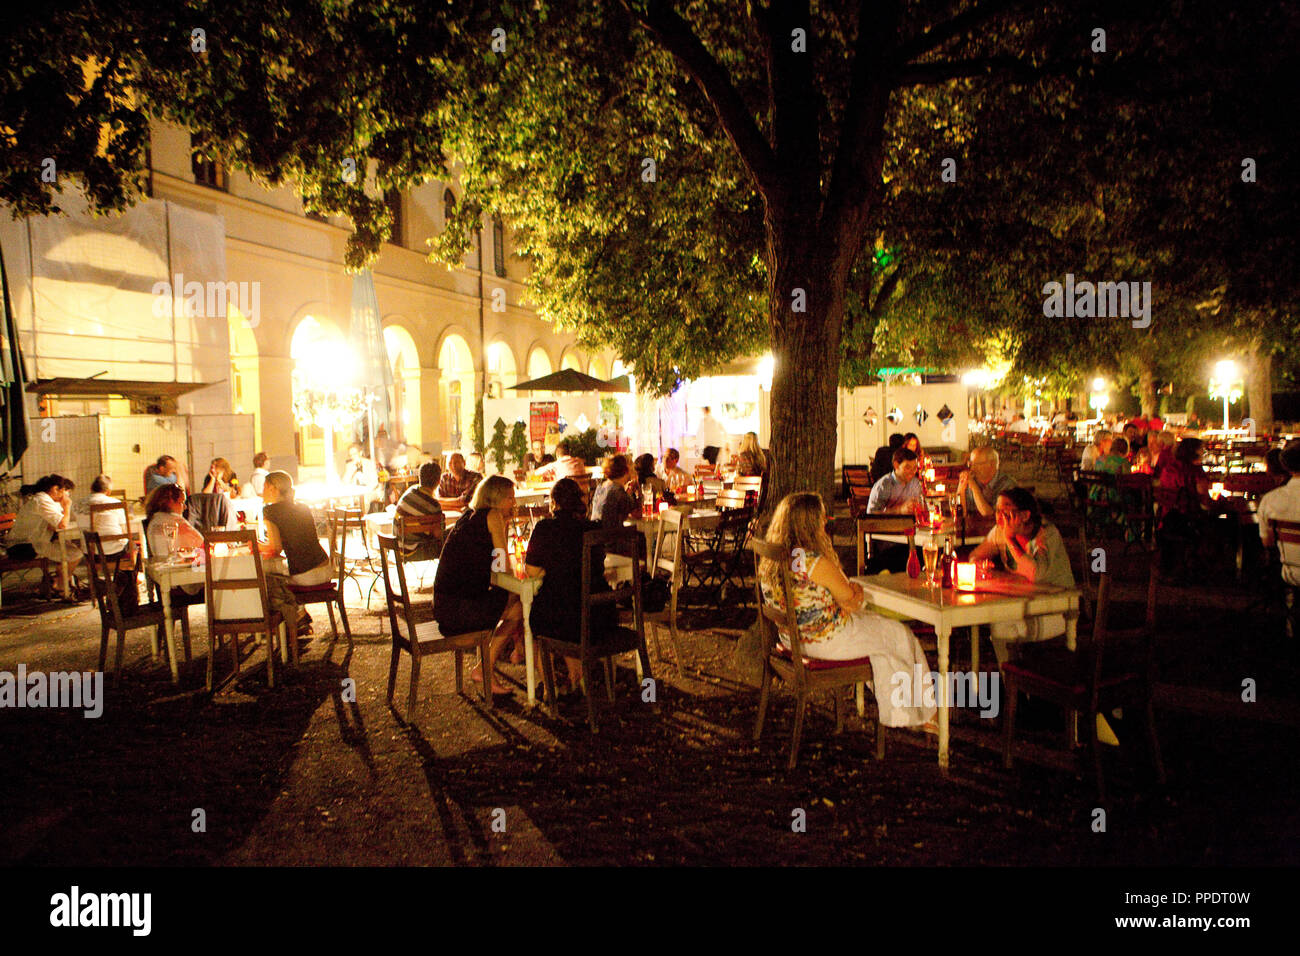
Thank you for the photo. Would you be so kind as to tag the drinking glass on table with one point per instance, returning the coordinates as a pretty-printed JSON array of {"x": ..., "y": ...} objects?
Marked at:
[
  {"x": 169, "y": 531},
  {"x": 931, "y": 552}
]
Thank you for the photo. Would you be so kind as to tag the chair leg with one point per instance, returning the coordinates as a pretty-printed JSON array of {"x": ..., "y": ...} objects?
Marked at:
[
  {"x": 185, "y": 632},
  {"x": 343, "y": 613},
  {"x": 486, "y": 672},
  {"x": 415, "y": 681},
  {"x": 392, "y": 672},
  {"x": 839, "y": 710},
  {"x": 880, "y": 740},
  {"x": 763, "y": 692},
  {"x": 589, "y": 677},
  {"x": 672, "y": 635},
  {"x": 1094, "y": 744},
  {"x": 609, "y": 678},
  {"x": 460, "y": 672},
  {"x": 117, "y": 665},
  {"x": 103, "y": 646},
  {"x": 334, "y": 630},
  {"x": 213, "y": 643},
  {"x": 548, "y": 681},
  {"x": 1008, "y": 721},
  {"x": 234, "y": 652},
  {"x": 800, "y": 708}
]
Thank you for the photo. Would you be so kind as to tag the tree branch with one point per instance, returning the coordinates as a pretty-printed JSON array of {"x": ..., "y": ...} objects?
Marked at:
[
  {"x": 677, "y": 37},
  {"x": 886, "y": 291},
  {"x": 976, "y": 15},
  {"x": 941, "y": 71}
]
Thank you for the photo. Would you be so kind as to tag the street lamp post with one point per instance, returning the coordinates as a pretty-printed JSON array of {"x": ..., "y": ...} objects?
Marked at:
[{"x": 1226, "y": 384}]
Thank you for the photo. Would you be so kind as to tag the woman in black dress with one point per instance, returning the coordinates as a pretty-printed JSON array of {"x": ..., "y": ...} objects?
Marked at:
[
  {"x": 464, "y": 597},
  {"x": 555, "y": 554}
]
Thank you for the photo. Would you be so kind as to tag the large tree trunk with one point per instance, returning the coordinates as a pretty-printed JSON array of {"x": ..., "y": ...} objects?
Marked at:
[
  {"x": 1147, "y": 389},
  {"x": 1259, "y": 387},
  {"x": 805, "y": 379}
]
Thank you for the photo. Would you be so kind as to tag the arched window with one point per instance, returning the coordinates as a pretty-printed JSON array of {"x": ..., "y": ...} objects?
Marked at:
[{"x": 499, "y": 246}]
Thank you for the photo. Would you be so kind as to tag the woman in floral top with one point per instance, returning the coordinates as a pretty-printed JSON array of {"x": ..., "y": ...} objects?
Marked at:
[{"x": 833, "y": 624}]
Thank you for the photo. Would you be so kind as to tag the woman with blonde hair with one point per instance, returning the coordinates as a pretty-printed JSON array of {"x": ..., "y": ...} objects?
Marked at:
[
  {"x": 221, "y": 478},
  {"x": 833, "y": 622},
  {"x": 751, "y": 462}
]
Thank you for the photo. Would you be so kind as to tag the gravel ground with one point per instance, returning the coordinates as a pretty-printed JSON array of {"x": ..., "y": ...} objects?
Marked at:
[{"x": 300, "y": 775}]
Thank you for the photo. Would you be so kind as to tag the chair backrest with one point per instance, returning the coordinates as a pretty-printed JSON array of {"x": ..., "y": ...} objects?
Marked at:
[
  {"x": 584, "y": 482},
  {"x": 748, "y": 483},
  {"x": 237, "y": 599},
  {"x": 778, "y": 618},
  {"x": 1104, "y": 636},
  {"x": 859, "y": 496},
  {"x": 669, "y": 537},
  {"x": 880, "y": 524},
  {"x": 1287, "y": 536},
  {"x": 624, "y": 541},
  {"x": 705, "y": 470},
  {"x": 730, "y": 499},
  {"x": 401, "y": 610},
  {"x": 712, "y": 487},
  {"x": 1253, "y": 485},
  {"x": 857, "y": 475},
  {"x": 102, "y": 574},
  {"x": 96, "y": 510},
  {"x": 406, "y": 525},
  {"x": 947, "y": 473}
]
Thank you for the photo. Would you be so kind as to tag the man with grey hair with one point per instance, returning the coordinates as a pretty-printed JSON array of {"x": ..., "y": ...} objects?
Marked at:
[
  {"x": 1099, "y": 447},
  {"x": 982, "y": 481}
]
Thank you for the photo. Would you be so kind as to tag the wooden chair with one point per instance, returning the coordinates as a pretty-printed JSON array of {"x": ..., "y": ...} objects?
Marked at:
[
  {"x": 418, "y": 526},
  {"x": 8, "y": 564},
  {"x": 859, "y": 496},
  {"x": 751, "y": 486},
  {"x": 880, "y": 524},
  {"x": 670, "y": 538},
  {"x": 331, "y": 592},
  {"x": 1138, "y": 504},
  {"x": 1287, "y": 536},
  {"x": 855, "y": 476},
  {"x": 704, "y": 470},
  {"x": 1251, "y": 484},
  {"x": 728, "y": 500},
  {"x": 1116, "y": 670},
  {"x": 231, "y": 613},
  {"x": 102, "y": 571},
  {"x": 422, "y": 638},
  {"x": 605, "y": 646},
  {"x": 805, "y": 677}
]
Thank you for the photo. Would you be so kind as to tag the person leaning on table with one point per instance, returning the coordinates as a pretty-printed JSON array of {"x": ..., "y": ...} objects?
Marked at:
[
  {"x": 833, "y": 624},
  {"x": 900, "y": 490},
  {"x": 166, "y": 507},
  {"x": 291, "y": 528},
  {"x": 1032, "y": 548}
]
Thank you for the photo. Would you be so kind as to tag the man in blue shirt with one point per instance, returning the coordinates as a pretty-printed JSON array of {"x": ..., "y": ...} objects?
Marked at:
[
  {"x": 164, "y": 471},
  {"x": 897, "y": 492}
]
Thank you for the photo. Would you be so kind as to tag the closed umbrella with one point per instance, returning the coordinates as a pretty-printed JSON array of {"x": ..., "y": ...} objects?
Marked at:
[
  {"x": 374, "y": 374},
  {"x": 13, "y": 379}
]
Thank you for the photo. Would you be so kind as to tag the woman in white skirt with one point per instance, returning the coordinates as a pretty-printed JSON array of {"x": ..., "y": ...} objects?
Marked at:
[{"x": 833, "y": 623}]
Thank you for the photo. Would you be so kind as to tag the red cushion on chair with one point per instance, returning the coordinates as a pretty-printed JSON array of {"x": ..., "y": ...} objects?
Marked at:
[
  {"x": 311, "y": 588},
  {"x": 816, "y": 665}
]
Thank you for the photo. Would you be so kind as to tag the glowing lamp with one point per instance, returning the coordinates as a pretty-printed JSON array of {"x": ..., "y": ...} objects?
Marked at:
[
  {"x": 663, "y": 506},
  {"x": 965, "y": 574}
]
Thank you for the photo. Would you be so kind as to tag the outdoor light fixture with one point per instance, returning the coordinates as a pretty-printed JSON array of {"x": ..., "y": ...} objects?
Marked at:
[
  {"x": 766, "y": 366},
  {"x": 1226, "y": 384},
  {"x": 1099, "y": 385},
  {"x": 1099, "y": 398}
]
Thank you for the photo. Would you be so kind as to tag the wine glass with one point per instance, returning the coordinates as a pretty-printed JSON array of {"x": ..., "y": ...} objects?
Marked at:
[
  {"x": 931, "y": 552},
  {"x": 169, "y": 530}
]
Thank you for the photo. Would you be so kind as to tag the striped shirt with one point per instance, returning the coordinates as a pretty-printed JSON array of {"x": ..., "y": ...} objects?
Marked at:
[{"x": 416, "y": 501}]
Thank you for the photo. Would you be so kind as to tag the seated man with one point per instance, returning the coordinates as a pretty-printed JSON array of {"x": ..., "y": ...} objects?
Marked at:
[
  {"x": 258, "y": 477},
  {"x": 674, "y": 477},
  {"x": 1018, "y": 424},
  {"x": 1283, "y": 504},
  {"x": 565, "y": 464},
  {"x": 106, "y": 523},
  {"x": 422, "y": 499},
  {"x": 1098, "y": 448},
  {"x": 982, "y": 482},
  {"x": 537, "y": 457},
  {"x": 458, "y": 481},
  {"x": 899, "y": 491},
  {"x": 165, "y": 471}
]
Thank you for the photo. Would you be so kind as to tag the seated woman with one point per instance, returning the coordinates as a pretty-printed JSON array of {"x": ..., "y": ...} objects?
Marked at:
[
  {"x": 46, "y": 512},
  {"x": 291, "y": 528},
  {"x": 163, "y": 511},
  {"x": 643, "y": 473},
  {"x": 220, "y": 479},
  {"x": 751, "y": 462},
  {"x": 611, "y": 505},
  {"x": 833, "y": 623},
  {"x": 1033, "y": 549},
  {"x": 555, "y": 551},
  {"x": 464, "y": 597},
  {"x": 913, "y": 444}
]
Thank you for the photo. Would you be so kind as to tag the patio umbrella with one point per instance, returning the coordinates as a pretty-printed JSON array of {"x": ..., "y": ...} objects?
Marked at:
[
  {"x": 571, "y": 380},
  {"x": 374, "y": 374},
  {"x": 13, "y": 378}
]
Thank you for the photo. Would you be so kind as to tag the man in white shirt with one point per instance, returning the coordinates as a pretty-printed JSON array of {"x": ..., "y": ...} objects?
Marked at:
[
  {"x": 1283, "y": 504},
  {"x": 260, "y": 471},
  {"x": 710, "y": 432},
  {"x": 564, "y": 466},
  {"x": 106, "y": 523},
  {"x": 1018, "y": 423}
]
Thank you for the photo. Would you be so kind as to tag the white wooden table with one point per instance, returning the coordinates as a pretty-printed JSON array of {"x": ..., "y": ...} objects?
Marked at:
[
  {"x": 946, "y": 608},
  {"x": 527, "y": 589},
  {"x": 168, "y": 574}
]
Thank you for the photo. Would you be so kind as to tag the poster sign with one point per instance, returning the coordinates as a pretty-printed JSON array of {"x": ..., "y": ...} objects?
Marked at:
[{"x": 542, "y": 415}]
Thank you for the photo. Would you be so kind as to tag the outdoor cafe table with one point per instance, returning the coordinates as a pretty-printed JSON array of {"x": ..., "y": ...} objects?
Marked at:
[
  {"x": 168, "y": 575},
  {"x": 976, "y": 531},
  {"x": 1003, "y": 598}
]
